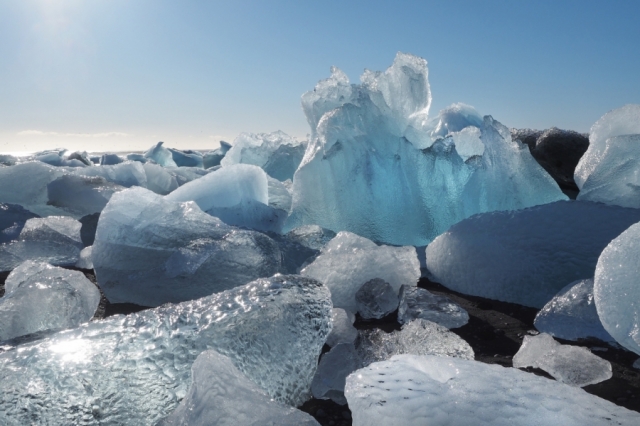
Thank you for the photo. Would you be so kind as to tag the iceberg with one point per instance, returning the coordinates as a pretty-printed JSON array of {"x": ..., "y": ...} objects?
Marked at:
[
  {"x": 150, "y": 250},
  {"x": 135, "y": 369},
  {"x": 526, "y": 256},
  {"x": 213, "y": 158},
  {"x": 417, "y": 302},
  {"x": 451, "y": 391},
  {"x": 376, "y": 299},
  {"x": 348, "y": 261}
]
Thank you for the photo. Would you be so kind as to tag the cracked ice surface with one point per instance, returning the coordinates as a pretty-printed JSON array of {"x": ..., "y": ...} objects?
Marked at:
[
  {"x": 420, "y": 303},
  {"x": 133, "y": 370},
  {"x": 348, "y": 261},
  {"x": 149, "y": 250},
  {"x": 573, "y": 365},
  {"x": 424, "y": 390}
]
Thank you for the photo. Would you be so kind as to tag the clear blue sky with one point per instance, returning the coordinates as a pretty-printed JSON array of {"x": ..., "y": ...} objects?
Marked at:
[{"x": 114, "y": 74}]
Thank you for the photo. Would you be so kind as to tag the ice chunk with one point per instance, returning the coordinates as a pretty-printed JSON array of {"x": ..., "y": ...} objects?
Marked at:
[
  {"x": 343, "y": 330},
  {"x": 615, "y": 179},
  {"x": 134, "y": 370},
  {"x": 186, "y": 158},
  {"x": 573, "y": 365},
  {"x": 12, "y": 220},
  {"x": 373, "y": 157},
  {"x": 81, "y": 195},
  {"x": 159, "y": 180},
  {"x": 349, "y": 260},
  {"x": 83, "y": 157},
  {"x": 85, "y": 262},
  {"x": 26, "y": 184},
  {"x": 376, "y": 299},
  {"x": 526, "y": 256},
  {"x": 572, "y": 315},
  {"x": 127, "y": 174},
  {"x": 8, "y": 160},
  {"x": 619, "y": 122},
  {"x": 186, "y": 174},
  {"x": 160, "y": 155},
  {"x": 277, "y": 153},
  {"x": 41, "y": 297},
  {"x": 150, "y": 250},
  {"x": 424, "y": 390},
  {"x": 110, "y": 159},
  {"x": 616, "y": 291},
  {"x": 137, "y": 157},
  {"x": 221, "y": 395},
  {"x": 332, "y": 372},
  {"x": 213, "y": 158},
  {"x": 420, "y": 303}
]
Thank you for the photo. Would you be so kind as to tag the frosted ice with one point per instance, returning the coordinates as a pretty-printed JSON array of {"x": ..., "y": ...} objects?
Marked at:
[
  {"x": 418, "y": 337},
  {"x": 277, "y": 153},
  {"x": 221, "y": 395},
  {"x": 572, "y": 315},
  {"x": 343, "y": 330},
  {"x": 85, "y": 262},
  {"x": 149, "y": 250},
  {"x": 376, "y": 299},
  {"x": 616, "y": 291},
  {"x": 81, "y": 195},
  {"x": 332, "y": 372},
  {"x": 12, "y": 220},
  {"x": 619, "y": 122},
  {"x": 423, "y": 390},
  {"x": 573, "y": 365},
  {"x": 373, "y": 156},
  {"x": 159, "y": 180},
  {"x": 134, "y": 370},
  {"x": 213, "y": 158},
  {"x": 186, "y": 158},
  {"x": 160, "y": 155},
  {"x": 526, "y": 256},
  {"x": 348, "y": 261},
  {"x": 41, "y": 297},
  {"x": 420, "y": 303}
]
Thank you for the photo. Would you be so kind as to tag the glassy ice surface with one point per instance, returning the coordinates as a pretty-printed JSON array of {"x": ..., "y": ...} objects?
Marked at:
[
  {"x": 572, "y": 314},
  {"x": 40, "y": 297},
  {"x": 213, "y": 158},
  {"x": 81, "y": 195},
  {"x": 616, "y": 291},
  {"x": 26, "y": 184},
  {"x": 221, "y": 395},
  {"x": 526, "y": 256},
  {"x": 615, "y": 179},
  {"x": 332, "y": 372},
  {"x": 160, "y": 155},
  {"x": 573, "y": 365},
  {"x": 424, "y": 390},
  {"x": 127, "y": 174},
  {"x": 149, "y": 250},
  {"x": 343, "y": 330},
  {"x": 134, "y": 370},
  {"x": 376, "y": 299},
  {"x": 418, "y": 337},
  {"x": 376, "y": 136},
  {"x": 12, "y": 220},
  {"x": 159, "y": 180},
  {"x": 85, "y": 262},
  {"x": 618, "y": 122},
  {"x": 419, "y": 303},
  {"x": 186, "y": 158},
  {"x": 348, "y": 261},
  {"x": 277, "y": 153}
]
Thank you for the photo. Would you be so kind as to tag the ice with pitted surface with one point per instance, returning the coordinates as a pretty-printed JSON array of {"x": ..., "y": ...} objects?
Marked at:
[
  {"x": 343, "y": 330},
  {"x": 81, "y": 195},
  {"x": 573, "y": 365},
  {"x": 333, "y": 369},
  {"x": 135, "y": 369},
  {"x": 417, "y": 302},
  {"x": 376, "y": 299},
  {"x": 221, "y": 395},
  {"x": 572, "y": 314},
  {"x": 41, "y": 297},
  {"x": 149, "y": 250},
  {"x": 616, "y": 289},
  {"x": 423, "y": 390},
  {"x": 348, "y": 261},
  {"x": 526, "y": 256}
]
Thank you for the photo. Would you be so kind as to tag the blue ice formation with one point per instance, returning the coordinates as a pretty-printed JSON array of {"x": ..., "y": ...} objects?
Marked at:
[
  {"x": 150, "y": 250},
  {"x": 376, "y": 165},
  {"x": 135, "y": 369},
  {"x": 81, "y": 195},
  {"x": 213, "y": 158},
  {"x": 277, "y": 153},
  {"x": 160, "y": 155},
  {"x": 110, "y": 159},
  {"x": 526, "y": 256},
  {"x": 26, "y": 184},
  {"x": 186, "y": 158},
  {"x": 159, "y": 180},
  {"x": 127, "y": 174},
  {"x": 12, "y": 220}
]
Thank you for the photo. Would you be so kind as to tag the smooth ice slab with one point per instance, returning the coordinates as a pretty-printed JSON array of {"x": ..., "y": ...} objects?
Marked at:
[
  {"x": 526, "y": 256},
  {"x": 332, "y": 372},
  {"x": 41, "y": 297},
  {"x": 149, "y": 251},
  {"x": 420, "y": 303},
  {"x": 221, "y": 395},
  {"x": 572, "y": 314},
  {"x": 426, "y": 390},
  {"x": 376, "y": 299},
  {"x": 616, "y": 289},
  {"x": 81, "y": 195},
  {"x": 343, "y": 330},
  {"x": 573, "y": 365},
  {"x": 348, "y": 261},
  {"x": 160, "y": 155},
  {"x": 186, "y": 158},
  {"x": 134, "y": 370}
]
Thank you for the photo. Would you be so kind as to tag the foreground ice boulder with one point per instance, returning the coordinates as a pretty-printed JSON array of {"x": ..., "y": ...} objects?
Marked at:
[
  {"x": 134, "y": 370},
  {"x": 526, "y": 256},
  {"x": 616, "y": 290},
  {"x": 423, "y": 390},
  {"x": 348, "y": 261},
  {"x": 221, "y": 395},
  {"x": 41, "y": 297},
  {"x": 149, "y": 250},
  {"x": 375, "y": 166}
]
